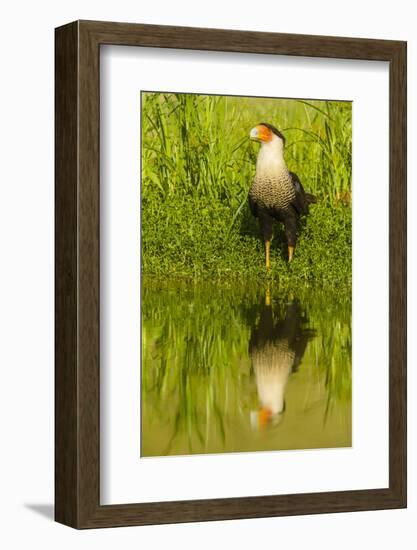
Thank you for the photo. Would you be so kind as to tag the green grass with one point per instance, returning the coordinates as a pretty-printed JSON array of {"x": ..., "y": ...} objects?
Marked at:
[{"x": 198, "y": 165}]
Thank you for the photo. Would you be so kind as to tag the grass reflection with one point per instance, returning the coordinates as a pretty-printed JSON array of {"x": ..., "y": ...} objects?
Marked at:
[{"x": 207, "y": 352}]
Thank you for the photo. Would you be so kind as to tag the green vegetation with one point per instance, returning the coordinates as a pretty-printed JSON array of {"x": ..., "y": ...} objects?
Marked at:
[
  {"x": 197, "y": 167},
  {"x": 198, "y": 386}
]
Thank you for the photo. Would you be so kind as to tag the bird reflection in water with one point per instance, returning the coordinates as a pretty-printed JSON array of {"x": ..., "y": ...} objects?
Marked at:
[{"x": 276, "y": 348}]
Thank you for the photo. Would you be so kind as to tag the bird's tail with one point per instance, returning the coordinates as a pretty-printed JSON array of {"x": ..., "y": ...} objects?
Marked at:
[{"x": 311, "y": 199}]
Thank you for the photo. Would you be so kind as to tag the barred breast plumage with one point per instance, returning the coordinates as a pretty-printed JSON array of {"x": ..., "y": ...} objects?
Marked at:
[
  {"x": 273, "y": 192},
  {"x": 273, "y": 356}
]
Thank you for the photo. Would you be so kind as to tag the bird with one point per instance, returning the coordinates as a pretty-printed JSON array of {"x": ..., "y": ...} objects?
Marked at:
[
  {"x": 276, "y": 193},
  {"x": 276, "y": 348}
]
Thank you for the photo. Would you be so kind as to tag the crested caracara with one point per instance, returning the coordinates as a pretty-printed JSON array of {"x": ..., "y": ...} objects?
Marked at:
[
  {"x": 276, "y": 193},
  {"x": 276, "y": 348}
]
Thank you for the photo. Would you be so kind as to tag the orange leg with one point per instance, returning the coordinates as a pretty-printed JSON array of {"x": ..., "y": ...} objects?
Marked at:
[
  {"x": 268, "y": 296},
  {"x": 267, "y": 260}
]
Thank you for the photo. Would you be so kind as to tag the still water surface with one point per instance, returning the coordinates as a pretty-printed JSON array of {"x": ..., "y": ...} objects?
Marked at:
[{"x": 235, "y": 368}]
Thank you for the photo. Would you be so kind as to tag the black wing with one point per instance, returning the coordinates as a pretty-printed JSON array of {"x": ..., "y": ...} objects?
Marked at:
[
  {"x": 300, "y": 201},
  {"x": 253, "y": 206},
  {"x": 294, "y": 331}
]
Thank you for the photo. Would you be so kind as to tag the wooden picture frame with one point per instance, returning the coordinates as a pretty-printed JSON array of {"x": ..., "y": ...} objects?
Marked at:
[{"x": 77, "y": 371}]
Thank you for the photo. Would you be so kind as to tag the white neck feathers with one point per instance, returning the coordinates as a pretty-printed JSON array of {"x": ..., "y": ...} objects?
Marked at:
[{"x": 271, "y": 158}]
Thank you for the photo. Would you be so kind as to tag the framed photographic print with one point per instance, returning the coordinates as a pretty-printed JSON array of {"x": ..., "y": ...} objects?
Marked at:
[{"x": 230, "y": 274}]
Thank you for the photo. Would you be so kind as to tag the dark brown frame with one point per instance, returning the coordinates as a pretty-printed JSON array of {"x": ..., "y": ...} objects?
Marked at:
[{"x": 77, "y": 372}]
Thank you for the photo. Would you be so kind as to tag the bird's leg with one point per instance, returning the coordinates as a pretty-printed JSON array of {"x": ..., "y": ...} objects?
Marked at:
[
  {"x": 268, "y": 296},
  {"x": 291, "y": 226},
  {"x": 265, "y": 222},
  {"x": 267, "y": 247}
]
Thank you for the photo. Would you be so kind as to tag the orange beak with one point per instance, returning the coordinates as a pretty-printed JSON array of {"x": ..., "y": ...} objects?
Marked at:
[
  {"x": 264, "y": 417},
  {"x": 261, "y": 133}
]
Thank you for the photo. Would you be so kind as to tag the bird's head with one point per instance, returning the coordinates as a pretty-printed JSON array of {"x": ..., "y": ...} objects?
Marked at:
[
  {"x": 264, "y": 418},
  {"x": 271, "y": 153},
  {"x": 267, "y": 134}
]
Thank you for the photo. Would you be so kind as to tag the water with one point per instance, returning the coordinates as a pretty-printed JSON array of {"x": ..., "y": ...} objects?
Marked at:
[{"x": 235, "y": 368}]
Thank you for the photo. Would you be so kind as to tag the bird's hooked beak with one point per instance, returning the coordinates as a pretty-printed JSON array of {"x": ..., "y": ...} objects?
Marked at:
[{"x": 254, "y": 134}]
